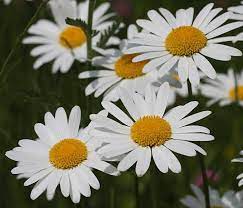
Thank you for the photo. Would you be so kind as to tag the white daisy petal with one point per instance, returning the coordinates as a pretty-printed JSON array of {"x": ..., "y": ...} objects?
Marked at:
[
  {"x": 159, "y": 159},
  {"x": 117, "y": 112},
  {"x": 224, "y": 29},
  {"x": 162, "y": 98},
  {"x": 144, "y": 158},
  {"x": 74, "y": 121},
  {"x": 173, "y": 163},
  {"x": 129, "y": 160},
  {"x": 202, "y": 15},
  {"x": 193, "y": 137},
  {"x": 203, "y": 64}
]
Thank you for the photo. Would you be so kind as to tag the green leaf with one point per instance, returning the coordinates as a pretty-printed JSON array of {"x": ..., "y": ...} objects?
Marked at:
[{"x": 108, "y": 33}]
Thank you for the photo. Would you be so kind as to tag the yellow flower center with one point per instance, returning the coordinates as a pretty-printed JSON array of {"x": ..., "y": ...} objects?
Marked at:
[
  {"x": 125, "y": 68},
  {"x": 232, "y": 93},
  {"x": 185, "y": 41},
  {"x": 68, "y": 154},
  {"x": 72, "y": 37},
  {"x": 151, "y": 131}
]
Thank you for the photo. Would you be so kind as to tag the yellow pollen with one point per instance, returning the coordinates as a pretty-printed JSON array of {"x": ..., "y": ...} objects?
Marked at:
[
  {"x": 232, "y": 93},
  {"x": 68, "y": 154},
  {"x": 185, "y": 41},
  {"x": 125, "y": 68},
  {"x": 72, "y": 37},
  {"x": 151, "y": 131}
]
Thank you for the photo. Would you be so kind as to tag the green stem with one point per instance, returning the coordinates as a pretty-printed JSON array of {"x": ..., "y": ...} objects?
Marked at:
[
  {"x": 201, "y": 161},
  {"x": 90, "y": 51},
  {"x": 17, "y": 43},
  {"x": 90, "y": 29},
  {"x": 205, "y": 180},
  {"x": 112, "y": 197},
  {"x": 137, "y": 191}
]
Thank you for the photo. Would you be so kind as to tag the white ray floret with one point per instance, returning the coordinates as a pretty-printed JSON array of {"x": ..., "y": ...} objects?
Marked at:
[
  {"x": 62, "y": 43},
  {"x": 62, "y": 155},
  {"x": 223, "y": 89},
  {"x": 239, "y": 177},
  {"x": 177, "y": 87},
  {"x": 237, "y": 15},
  {"x": 230, "y": 199},
  {"x": 185, "y": 41},
  {"x": 118, "y": 71},
  {"x": 7, "y": 2},
  {"x": 147, "y": 132}
]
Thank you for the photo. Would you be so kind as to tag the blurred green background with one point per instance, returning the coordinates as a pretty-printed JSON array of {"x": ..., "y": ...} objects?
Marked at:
[{"x": 28, "y": 94}]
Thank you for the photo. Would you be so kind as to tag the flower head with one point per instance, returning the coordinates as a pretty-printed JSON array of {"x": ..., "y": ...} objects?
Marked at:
[
  {"x": 63, "y": 43},
  {"x": 223, "y": 89},
  {"x": 146, "y": 131},
  {"x": 119, "y": 71},
  {"x": 183, "y": 42},
  {"x": 229, "y": 199},
  {"x": 62, "y": 155}
]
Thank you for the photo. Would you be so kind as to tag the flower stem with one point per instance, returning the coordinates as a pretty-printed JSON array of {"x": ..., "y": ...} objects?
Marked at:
[
  {"x": 4, "y": 69},
  {"x": 205, "y": 180},
  {"x": 112, "y": 197},
  {"x": 137, "y": 191},
  {"x": 201, "y": 161},
  {"x": 90, "y": 28}
]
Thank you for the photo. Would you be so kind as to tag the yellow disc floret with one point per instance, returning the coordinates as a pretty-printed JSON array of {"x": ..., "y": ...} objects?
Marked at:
[
  {"x": 232, "y": 93},
  {"x": 151, "y": 131},
  {"x": 125, "y": 68},
  {"x": 72, "y": 37},
  {"x": 185, "y": 41},
  {"x": 68, "y": 154}
]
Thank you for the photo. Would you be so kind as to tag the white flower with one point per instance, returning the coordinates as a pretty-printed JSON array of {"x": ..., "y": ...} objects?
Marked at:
[
  {"x": 120, "y": 72},
  {"x": 184, "y": 41},
  {"x": 177, "y": 87},
  {"x": 63, "y": 43},
  {"x": 63, "y": 155},
  {"x": 150, "y": 132},
  {"x": 7, "y": 2},
  {"x": 223, "y": 90},
  {"x": 230, "y": 199},
  {"x": 239, "y": 177},
  {"x": 237, "y": 15}
]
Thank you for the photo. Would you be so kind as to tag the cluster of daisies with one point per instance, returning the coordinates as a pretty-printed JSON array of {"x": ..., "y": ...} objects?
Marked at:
[{"x": 161, "y": 56}]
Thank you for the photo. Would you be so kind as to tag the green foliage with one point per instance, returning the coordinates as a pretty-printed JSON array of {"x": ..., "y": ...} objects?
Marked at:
[{"x": 112, "y": 30}]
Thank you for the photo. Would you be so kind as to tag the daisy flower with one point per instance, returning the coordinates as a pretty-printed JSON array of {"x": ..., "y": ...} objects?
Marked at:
[
  {"x": 119, "y": 71},
  {"x": 148, "y": 132},
  {"x": 237, "y": 15},
  {"x": 237, "y": 11},
  {"x": 177, "y": 87},
  {"x": 63, "y": 155},
  {"x": 223, "y": 90},
  {"x": 228, "y": 200},
  {"x": 185, "y": 42},
  {"x": 63, "y": 43},
  {"x": 239, "y": 177},
  {"x": 7, "y": 2}
]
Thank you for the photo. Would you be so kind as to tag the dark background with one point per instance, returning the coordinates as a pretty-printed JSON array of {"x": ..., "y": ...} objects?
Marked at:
[{"x": 28, "y": 94}]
